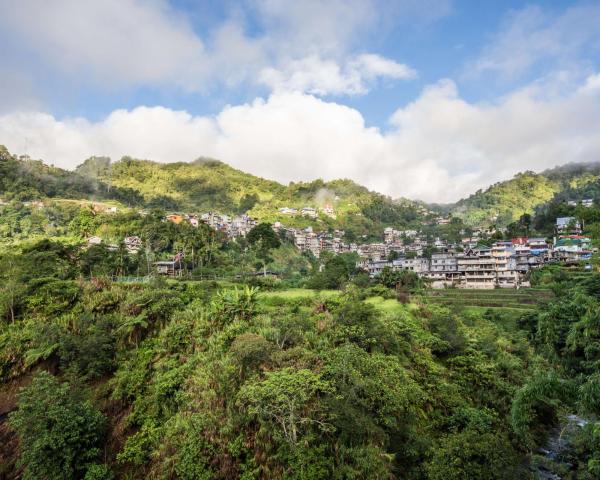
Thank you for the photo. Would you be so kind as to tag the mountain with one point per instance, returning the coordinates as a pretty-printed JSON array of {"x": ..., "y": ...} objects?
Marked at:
[
  {"x": 209, "y": 185},
  {"x": 24, "y": 179},
  {"x": 504, "y": 202}
]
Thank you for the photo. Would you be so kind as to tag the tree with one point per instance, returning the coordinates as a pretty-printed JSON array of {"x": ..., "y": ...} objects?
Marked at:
[
  {"x": 59, "y": 433},
  {"x": 263, "y": 239},
  {"x": 247, "y": 202},
  {"x": 388, "y": 277},
  {"x": 84, "y": 224},
  {"x": 335, "y": 273},
  {"x": 286, "y": 399},
  {"x": 248, "y": 351},
  {"x": 474, "y": 455},
  {"x": 11, "y": 290},
  {"x": 393, "y": 255}
]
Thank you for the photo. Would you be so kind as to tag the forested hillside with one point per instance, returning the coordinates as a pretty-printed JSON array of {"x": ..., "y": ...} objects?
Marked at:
[
  {"x": 207, "y": 185},
  {"x": 200, "y": 380},
  {"x": 23, "y": 179},
  {"x": 103, "y": 379},
  {"x": 505, "y": 202}
]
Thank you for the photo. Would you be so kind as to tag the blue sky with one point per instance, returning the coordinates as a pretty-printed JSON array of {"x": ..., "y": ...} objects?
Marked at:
[{"x": 429, "y": 99}]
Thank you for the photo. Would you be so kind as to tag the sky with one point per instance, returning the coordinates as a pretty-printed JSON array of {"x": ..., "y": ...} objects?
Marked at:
[{"x": 425, "y": 99}]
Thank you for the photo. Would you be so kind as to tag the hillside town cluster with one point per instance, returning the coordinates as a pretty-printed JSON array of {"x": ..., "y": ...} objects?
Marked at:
[
  {"x": 505, "y": 264},
  {"x": 470, "y": 264},
  {"x": 466, "y": 264}
]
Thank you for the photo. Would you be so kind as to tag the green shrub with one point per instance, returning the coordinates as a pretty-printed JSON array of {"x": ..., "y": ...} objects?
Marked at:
[{"x": 59, "y": 434}]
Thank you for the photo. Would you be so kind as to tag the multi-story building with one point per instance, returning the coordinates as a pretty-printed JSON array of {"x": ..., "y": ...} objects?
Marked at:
[
  {"x": 446, "y": 262},
  {"x": 309, "y": 212},
  {"x": 373, "y": 267},
  {"x": 568, "y": 226},
  {"x": 417, "y": 264},
  {"x": 478, "y": 268}
]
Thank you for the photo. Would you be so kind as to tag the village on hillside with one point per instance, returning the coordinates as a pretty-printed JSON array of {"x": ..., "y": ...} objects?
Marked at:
[{"x": 466, "y": 264}]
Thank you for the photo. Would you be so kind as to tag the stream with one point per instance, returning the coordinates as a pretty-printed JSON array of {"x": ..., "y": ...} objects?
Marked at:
[{"x": 555, "y": 448}]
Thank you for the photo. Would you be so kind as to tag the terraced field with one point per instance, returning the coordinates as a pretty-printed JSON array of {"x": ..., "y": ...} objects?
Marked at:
[{"x": 523, "y": 299}]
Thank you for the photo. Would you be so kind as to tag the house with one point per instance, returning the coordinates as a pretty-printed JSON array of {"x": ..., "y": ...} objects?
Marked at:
[
  {"x": 175, "y": 218},
  {"x": 389, "y": 235},
  {"x": 504, "y": 254},
  {"x": 241, "y": 225},
  {"x": 328, "y": 210},
  {"x": 443, "y": 270},
  {"x": 169, "y": 267},
  {"x": 94, "y": 241},
  {"x": 173, "y": 267},
  {"x": 288, "y": 211},
  {"x": 478, "y": 268},
  {"x": 586, "y": 202},
  {"x": 568, "y": 225},
  {"x": 374, "y": 267},
  {"x": 312, "y": 244},
  {"x": 443, "y": 262},
  {"x": 373, "y": 251},
  {"x": 573, "y": 244},
  {"x": 309, "y": 212},
  {"x": 133, "y": 243},
  {"x": 417, "y": 265},
  {"x": 538, "y": 245},
  {"x": 522, "y": 257}
]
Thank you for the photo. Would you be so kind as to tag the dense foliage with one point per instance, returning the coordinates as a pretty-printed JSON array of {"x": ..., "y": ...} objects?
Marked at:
[
  {"x": 505, "y": 202},
  {"x": 194, "y": 379}
]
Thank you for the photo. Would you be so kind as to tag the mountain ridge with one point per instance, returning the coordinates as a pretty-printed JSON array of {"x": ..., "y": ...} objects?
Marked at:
[{"x": 209, "y": 184}]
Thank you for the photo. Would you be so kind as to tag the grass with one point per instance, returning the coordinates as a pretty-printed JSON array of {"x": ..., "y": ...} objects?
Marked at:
[
  {"x": 299, "y": 293},
  {"x": 512, "y": 312},
  {"x": 515, "y": 300},
  {"x": 513, "y": 303},
  {"x": 386, "y": 305}
]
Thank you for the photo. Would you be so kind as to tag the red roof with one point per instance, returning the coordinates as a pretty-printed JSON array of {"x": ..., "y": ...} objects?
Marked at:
[{"x": 520, "y": 241}]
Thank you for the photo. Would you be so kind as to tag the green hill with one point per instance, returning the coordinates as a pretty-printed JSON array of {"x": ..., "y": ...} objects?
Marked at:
[
  {"x": 208, "y": 185},
  {"x": 504, "y": 202},
  {"x": 23, "y": 179}
]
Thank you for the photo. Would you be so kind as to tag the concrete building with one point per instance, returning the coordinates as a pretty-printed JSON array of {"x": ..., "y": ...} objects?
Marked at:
[
  {"x": 417, "y": 265},
  {"x": 478, "y": 268}
]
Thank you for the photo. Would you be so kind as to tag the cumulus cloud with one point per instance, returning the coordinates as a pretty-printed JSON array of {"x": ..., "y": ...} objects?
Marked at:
[
  {"x": 314, "y": 75},
  {"x": 114, "y": 44},
  {"x": 438, "y": 148}
]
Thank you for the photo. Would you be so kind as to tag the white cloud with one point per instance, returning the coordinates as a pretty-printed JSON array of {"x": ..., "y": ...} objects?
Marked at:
[
  {"x": 314, "y": 75},
  {"x": 112, "y": 42},
  {"x": 115, "y": 44},
  {"x": 592, "y": 84},
  {"x": 439, "y": 148},
  {"x": 534, "y": 35},
  {"x": 371, "y": 66}
]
